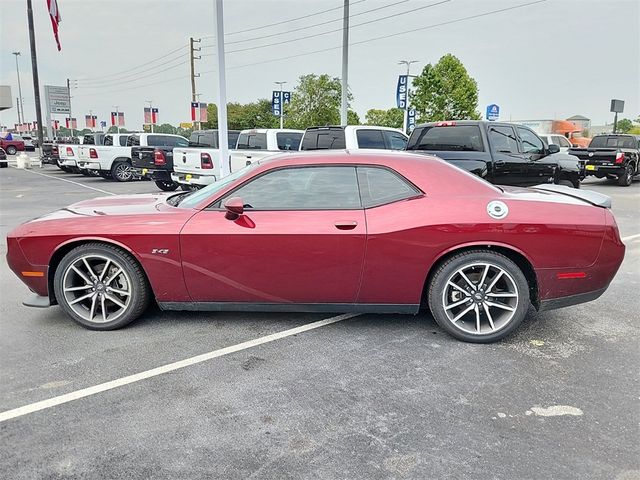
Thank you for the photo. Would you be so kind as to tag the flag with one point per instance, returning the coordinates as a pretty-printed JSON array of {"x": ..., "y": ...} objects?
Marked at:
[
  {"x": 90, "y": 121},
  {"x": 54, "y": 14},
  {"x": 117, "y": 118},
  {"x": 147, "y": 115},
  {"x": 56, "y": 125},
  {"x": 113, "y": 118},
  {"x": 154, "y": 116},
  {"x": 203, "y": 112},
  {"x": 194, "y": 111},
  {"x": 121, "y": 119},
  {"x": 71, "y": 122}
]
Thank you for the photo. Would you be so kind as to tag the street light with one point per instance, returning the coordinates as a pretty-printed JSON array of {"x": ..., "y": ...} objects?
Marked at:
[
  {"x": 281, "y": 104},
  {"x": 20, "y": 104},
  {"x": 406, "y": 106}
]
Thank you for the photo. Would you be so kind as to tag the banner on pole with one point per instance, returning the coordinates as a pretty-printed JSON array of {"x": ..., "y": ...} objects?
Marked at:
[
  {"x": 401, "y": 92},
  {"x": 411, "y": 119},
  {"x": 154, "y": 116},
  {"x": 71, "y": 123},
  {"x": 147, "y": 115},
  {"x": 198, "y": 112}
]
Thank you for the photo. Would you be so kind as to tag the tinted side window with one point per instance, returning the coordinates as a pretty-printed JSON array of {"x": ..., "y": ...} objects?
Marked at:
[
  {"x": 503, "y": 140},
  {"x": 258, "y": 141},
  {"x": 395, "y": 140},
  {"x": 133, "y": 140},
  {"x": 459, "y": 138},
  {"x": 243, "y": 141},
  {"x": 323, "y": 140},
  {"x": 370, "y": 139},
  {"x": 88, "y": 140},
  {"x": 288, "y": 140},
  {"x": 233, "y": 139},
  {"x": 180, "y": 142},
  {"x": 530, "y": 141},
  {"x": 209, "y": 140},
  {"x": 123, "y": 140},
  {"x": 156, "y": 140},
  {"x": 108, "y": 140},
  {"x": 379, "y": 186},
  {"x": 307, "y": 188}
]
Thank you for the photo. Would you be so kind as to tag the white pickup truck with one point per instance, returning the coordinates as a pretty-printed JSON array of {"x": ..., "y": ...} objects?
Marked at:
[
  {"x": 353, "y": 137},
  {"x": 198, "y": 164},
  {"x": 254, "y": 145},
  {"x": 68, "y": 152},
  {"x": 112, "y": 159}
]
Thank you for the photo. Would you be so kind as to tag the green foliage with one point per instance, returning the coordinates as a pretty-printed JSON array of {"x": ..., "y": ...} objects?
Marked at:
[
  {"x": 243, "y": 116},
  {"x": 315, "y": 102},
  {"x": 445, "y": 91},
  {"x": 634, "y": 130},
  {"x": 114, "y": 129},
  {"x": 352, "y": 118},
  {"x": 624, "y": 126},
  {"x": 385, "y": 118}
]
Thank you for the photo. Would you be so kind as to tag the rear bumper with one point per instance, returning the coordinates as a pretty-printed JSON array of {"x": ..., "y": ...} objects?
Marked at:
[
  {"x": 89, "y": 165},
  {"x": 49, "y": 160},
  {"x": 38, "y": 301},
  {"x": 604, "y": 170},
  {"x": 567, "y": 301},
  {"x": 155, "y": 175},
  {"x": 193, "y": 178},
  {"x": 69, "y": 162}
]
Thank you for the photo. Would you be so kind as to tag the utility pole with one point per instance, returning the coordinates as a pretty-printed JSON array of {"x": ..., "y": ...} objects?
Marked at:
[
  {"x": 117, "y": 118},
  {"x": 19, "y": 103},
  {"x": 281, "y": 104},
  {"x": 405, "y": 119},
  {"x": 150, "y": 102},
  {"x": 345, "y": 63},
  {"x": 192, "y": 59},
  {"x": 70, "y": 114},
  {"x": 223, "y": 137},
  {"x": 34, "y": 68}
]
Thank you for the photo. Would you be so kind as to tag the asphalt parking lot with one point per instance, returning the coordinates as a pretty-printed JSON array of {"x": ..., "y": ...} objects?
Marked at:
[{"x": 368, "y": 396}]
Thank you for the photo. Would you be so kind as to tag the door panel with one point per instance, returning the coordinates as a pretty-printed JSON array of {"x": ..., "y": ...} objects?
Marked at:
[
  {"x": 274, "y": 256},
  {"x": 509, "y": 164}
]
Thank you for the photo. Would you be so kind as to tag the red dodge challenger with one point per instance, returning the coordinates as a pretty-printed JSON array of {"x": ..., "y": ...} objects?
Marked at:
[{"x": 381, "y": 232}]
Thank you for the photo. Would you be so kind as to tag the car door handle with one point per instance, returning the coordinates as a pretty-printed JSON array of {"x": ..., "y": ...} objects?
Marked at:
[{"x": 348, "y": 225}]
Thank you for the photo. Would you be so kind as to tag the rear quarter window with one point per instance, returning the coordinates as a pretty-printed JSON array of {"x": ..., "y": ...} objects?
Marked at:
[
  {"x": 288, "y": 140},
  {"x": 455, "y": 138}
]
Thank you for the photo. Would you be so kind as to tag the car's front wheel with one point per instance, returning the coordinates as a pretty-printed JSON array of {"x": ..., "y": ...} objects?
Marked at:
[
  {"x": 122, "y": 171},
  {"x": 11, "y": 150},
  {"x": 101, "y": 287},
  {"x": 479, "y": 296}
]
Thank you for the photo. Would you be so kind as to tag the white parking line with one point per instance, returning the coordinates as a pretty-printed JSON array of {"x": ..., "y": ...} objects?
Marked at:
[
  {"x": 630, "y": 237},
  {"x": 70, "y": 181},
  {"x": 103, "y": 387}
]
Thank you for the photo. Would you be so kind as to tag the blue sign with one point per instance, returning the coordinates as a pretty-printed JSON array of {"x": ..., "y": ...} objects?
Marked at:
[
  {"x": 286, "y": 98},
  {"x": 401, "y": 92},
  {"x": 493, "y": 112},
  {"x": 411, "y": 119},
  {"x": 103, "y": 123},
  {"x": 276, "y": 104}
]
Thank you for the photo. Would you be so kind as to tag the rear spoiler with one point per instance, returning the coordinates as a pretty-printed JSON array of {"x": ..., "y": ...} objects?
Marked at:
[{"x": 594, "y": 198}]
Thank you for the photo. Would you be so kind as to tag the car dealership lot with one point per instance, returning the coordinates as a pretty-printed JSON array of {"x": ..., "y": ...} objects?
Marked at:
[{"x": 372, "y": 396}]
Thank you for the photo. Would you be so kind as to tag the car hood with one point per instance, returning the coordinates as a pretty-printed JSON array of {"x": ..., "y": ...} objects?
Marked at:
[{"x": 117, "y": 205}]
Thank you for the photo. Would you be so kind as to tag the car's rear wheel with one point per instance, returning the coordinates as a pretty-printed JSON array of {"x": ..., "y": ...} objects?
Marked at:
[
  {"x": 104, "y": 174},
  {"x": 479, "y": 296},
  {"x": 101, "y": 287},
  {"x": 189, "y": 188},
  {"x": 11, "y": 150},
  {"x": 626, "y": 178},
  {"x": 167, "y": 185},
  {"x": 121, "y": 171}
]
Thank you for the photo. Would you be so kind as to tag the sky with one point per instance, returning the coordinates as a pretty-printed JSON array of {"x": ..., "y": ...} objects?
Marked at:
[{"x": 548, "y": 60}]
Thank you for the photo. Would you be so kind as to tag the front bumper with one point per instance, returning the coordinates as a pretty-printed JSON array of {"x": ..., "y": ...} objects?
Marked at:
[{"x": 193, "y": 179}]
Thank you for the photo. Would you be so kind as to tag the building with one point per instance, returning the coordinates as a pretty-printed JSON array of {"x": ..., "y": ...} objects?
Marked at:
[{"x": 583, "y": 123}]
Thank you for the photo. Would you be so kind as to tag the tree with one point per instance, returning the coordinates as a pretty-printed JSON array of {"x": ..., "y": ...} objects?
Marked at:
[
  {"x": 445, "y": 91},
  {"x": 114, "y": 129},
  {"x": 243, "y": 116},
  {"x": 393, "y": 117},
  {"x": 316, "y": 101},
  {"x": 624, "y": 126}
]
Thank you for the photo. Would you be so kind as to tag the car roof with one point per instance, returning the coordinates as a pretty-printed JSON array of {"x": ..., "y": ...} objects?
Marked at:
[{"x": 353, "y": 127}]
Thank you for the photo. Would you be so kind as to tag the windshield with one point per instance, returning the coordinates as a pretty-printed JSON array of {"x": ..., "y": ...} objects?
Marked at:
[{"x": 192, "y": 200}]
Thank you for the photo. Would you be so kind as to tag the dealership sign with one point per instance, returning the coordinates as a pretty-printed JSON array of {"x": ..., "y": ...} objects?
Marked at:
[
  {"x": 57, "y": 98},
  {"x": 278, "y": 100},
  {"x": 493, "y": 112},
  {"x": 401, "y": 92},
  {"x": 411, "y": 119}
]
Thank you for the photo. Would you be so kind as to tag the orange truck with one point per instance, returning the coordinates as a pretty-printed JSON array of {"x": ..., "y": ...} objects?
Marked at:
[{"x": 562, "y": 127}]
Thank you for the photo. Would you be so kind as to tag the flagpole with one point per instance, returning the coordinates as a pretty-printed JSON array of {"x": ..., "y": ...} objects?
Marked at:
[
  {"x": 223, "y": 142},
  {"x": 34, "y": 69}
]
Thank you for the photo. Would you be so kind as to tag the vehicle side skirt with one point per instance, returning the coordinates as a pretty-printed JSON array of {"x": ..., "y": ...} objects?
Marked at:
[{"x": 292, "y": 307}]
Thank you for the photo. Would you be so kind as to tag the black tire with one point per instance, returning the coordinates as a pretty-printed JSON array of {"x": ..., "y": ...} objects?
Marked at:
[
  {"x": 140, "y": 291},
  {"x": 11, "y": 150},
  {"x": 85, "y": 172},
  {"x": 190, "y": 188},
  {"x": 167, "y": 185},
  {"x": 439, "y": 289},
  {"x": 121, "y": 171},
  {"x": 626, "y": 178},
  {"x": 66, "y": 169},
  {"x": 104, "y": 174},
  {"x": 59, "y": 165}
]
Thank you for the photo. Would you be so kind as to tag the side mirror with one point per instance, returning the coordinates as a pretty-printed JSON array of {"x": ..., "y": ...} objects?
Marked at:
[
  {"x": 553, "y": 148},
  {"x": 234, "y": 208}
]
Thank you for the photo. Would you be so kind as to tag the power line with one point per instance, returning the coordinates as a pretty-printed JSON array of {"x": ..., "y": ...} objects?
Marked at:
[
  {"x": 135, "y": 87},
  {"x": 337, "y": 29},
  {"x": 128, "y": 80}
]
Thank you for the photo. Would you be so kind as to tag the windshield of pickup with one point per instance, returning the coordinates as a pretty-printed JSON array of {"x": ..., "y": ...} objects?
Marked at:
[
  {"x": 194, "y": 199},
  {"x": 613, "y": 141},
  {"x": 453, "y": 138}
]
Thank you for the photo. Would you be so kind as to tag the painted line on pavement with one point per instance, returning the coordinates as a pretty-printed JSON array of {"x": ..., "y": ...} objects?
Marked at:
[
  {"x": 170, "y": 367},
  {"x": 68, "y": 181},
  {"x": 630, "y": 237}
]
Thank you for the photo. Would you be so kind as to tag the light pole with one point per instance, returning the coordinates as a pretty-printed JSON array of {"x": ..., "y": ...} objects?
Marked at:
[
  {"x": 281, "y": 104},
  {"x": 20, "y": 104},
  {"x": 150, "y": 102},
  {"x": 406, "y": 105},
  {"x": 345, "y": 64}
]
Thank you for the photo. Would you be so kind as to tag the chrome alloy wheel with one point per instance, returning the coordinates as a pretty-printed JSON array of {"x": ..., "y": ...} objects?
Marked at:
[
  {"x": 123, "y": 172},
  {"x": 97, "y": 288},
  {"x": 480, "y": 298}
]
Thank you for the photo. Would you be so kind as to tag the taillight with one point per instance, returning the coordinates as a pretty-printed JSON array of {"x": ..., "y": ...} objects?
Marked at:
[
  {"x": 93, "y": 153},
  {"x": 159, "y": 158},
  {"x": 446, "y": 124},
  {"x": 619, "y": 157},
  {"x": 205, "y": 161},
  {"x": 69, "y": 152},
  {"x": 54, "y": 150}
]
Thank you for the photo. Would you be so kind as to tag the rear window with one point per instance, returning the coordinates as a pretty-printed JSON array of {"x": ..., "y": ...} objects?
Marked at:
[
  {"x": 288, "y": 140},
  {"x": 325, "y": 139},
  {"x": 370, "y": 139},
  {"x": 458, "y": 138},
  {"x": 88, "y": 140},
  {"x": 617, "y": 141},
  {"x": 133, "y": 141},
  {"x": 108, "y": 140}
]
